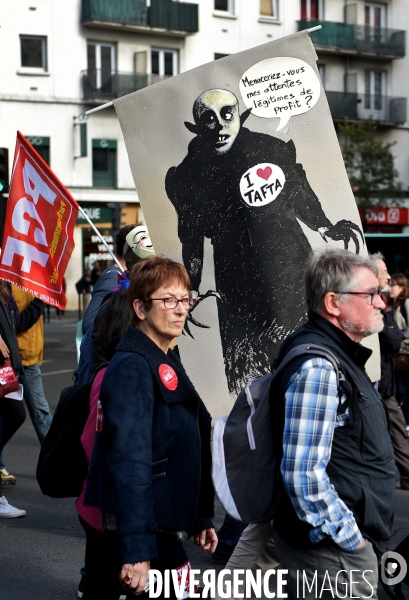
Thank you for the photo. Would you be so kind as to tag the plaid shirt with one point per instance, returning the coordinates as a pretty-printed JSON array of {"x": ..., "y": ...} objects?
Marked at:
[{"x": 311, "y": 403}]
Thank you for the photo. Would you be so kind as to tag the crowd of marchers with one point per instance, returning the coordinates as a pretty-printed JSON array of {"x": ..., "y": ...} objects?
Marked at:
[{"x": 147, "y": 433}]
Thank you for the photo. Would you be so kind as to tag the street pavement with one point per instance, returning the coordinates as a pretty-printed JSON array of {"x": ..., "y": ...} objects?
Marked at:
[{"x": 41, "y": 554}]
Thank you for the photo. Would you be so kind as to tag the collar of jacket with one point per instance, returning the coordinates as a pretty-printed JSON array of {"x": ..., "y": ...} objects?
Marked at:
[
  {"x": 355, "y": 350},
  {"x": 136, "y": 341}
]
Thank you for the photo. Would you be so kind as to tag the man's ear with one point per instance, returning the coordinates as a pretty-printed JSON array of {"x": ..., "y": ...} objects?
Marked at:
[
  {"x": 331, "y": 304},
  {"x": 192, "y": 128},
  {"x": 139, "y": 309}
]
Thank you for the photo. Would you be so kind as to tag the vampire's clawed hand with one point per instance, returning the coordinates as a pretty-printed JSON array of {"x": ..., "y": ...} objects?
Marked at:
[
  {"x": 344, "y": 230},
  {"x": 191, "y": 319}
]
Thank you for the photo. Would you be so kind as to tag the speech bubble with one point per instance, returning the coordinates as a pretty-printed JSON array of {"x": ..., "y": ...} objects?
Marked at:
[{"x": 280, "y": 87}]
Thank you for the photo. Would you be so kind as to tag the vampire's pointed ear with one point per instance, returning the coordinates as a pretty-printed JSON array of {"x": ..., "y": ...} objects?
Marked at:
[
  {"x": 244, "y": 116},
  {"x": 192, "y": 128}
]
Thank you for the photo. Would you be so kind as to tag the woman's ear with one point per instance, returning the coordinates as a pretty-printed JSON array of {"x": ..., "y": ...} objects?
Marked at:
[{"x": 139, "y": 309}]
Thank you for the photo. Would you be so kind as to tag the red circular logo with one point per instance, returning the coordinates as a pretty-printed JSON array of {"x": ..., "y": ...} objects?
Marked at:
[{"x": 168, "y": 377}]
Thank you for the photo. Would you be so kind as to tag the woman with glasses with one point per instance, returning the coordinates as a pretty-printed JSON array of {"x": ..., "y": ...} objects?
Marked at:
[
  {"x": 150, "y": 472},
  {"x": 399, "y": 301}
]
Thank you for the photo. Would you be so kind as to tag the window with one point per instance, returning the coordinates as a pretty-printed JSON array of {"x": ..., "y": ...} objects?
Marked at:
[
  {"x": 33, "y": 52},
  {"x": 312, "y": 10},
  {"x": 225, "y": 5},
  {"x": 375, "y": 23},
  {"x": 375, "y": 103},
  {"x": 164, "y": 62},
  {"x": 104, "y": 163},
  {"x": 42, "y": 145},
  {"x": 375, "y": 15},
  {"x": 269, "y": 8},
  {"x": 374, "y": 90},
  {"x": 217, "y": 56},
  {"x": 351, "y": 82},
  {"x": 101, "y": 65}
]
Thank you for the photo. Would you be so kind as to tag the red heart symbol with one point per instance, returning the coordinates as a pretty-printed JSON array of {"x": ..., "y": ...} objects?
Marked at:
[{"x": 264, "y": 173}]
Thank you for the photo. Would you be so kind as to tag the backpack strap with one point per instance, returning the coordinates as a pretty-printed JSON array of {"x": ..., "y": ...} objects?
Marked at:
[
  {"x": 311, "y": 349},
  {"x": 343, "y": 385},
  {"x": 97, "y": 369}
]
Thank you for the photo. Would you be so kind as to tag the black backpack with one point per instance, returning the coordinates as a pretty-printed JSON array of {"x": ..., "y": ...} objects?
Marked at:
[
  {"x": 246, "y": 457},
  {"x": 62, "y": 465}
]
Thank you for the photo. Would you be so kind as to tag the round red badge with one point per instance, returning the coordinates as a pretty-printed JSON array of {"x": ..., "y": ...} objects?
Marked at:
[{"x": 168, "y": 377}]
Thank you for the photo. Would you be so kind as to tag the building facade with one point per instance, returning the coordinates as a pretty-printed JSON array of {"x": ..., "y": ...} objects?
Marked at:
[{"x": 62, "y": 59}]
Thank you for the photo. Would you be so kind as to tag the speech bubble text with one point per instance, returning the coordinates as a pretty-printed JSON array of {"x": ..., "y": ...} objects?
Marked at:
[{"x": 280, "y": 87}]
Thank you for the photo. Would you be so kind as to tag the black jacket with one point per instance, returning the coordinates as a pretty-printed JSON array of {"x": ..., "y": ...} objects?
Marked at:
[
  {"x": 390, "y": 339},
  {"x": 151, "y": 464},
  {"x": 8, "y": 334}
]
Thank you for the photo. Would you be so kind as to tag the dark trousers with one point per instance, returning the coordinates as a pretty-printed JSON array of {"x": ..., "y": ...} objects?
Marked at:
[
  {"x": 402, "y": 392},
  {"x": 12, "y": 415},
  {"x": 171, "y": 555},
  {"x": 399, "y": 435},
  {"x": 103, "y": 563}
]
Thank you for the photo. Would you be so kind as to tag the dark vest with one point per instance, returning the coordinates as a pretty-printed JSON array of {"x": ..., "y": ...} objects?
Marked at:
[{"x": 362, "y": 464}]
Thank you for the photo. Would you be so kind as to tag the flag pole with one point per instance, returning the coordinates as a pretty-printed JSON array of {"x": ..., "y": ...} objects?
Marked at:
[
  {"x": 310, "y": 30},
  {"x": 97, "y": 108},
  {"x": 86, "y": 217}
]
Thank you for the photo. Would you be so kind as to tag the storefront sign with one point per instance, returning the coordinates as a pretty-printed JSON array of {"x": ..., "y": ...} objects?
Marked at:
[
  {"x": 38, "y": 140},
  {"x": 385, "y": 216},
  {"x": 110, "y": 144},
  {"x": 97, "y": 214}
]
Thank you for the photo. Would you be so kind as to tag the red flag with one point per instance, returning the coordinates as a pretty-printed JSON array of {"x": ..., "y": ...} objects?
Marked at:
[{"x": 38, "y": 237}]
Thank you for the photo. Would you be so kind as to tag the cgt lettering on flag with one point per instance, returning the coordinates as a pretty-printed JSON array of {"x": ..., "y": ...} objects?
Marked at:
[{"x": 39, "y": 230}]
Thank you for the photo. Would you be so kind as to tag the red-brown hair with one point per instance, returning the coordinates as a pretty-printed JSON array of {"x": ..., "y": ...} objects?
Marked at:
[{"x": 149, "y": 275}]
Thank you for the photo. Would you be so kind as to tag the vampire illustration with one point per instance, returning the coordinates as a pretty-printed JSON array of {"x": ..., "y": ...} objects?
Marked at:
[{"x": 246, "y": 192}]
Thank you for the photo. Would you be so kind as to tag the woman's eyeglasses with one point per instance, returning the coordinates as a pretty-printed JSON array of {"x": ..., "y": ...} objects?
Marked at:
[{"x": 171, "y": 302}]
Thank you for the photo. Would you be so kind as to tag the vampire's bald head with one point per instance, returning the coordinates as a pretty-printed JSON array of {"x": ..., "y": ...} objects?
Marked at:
[{"x": 216, "y": 114}]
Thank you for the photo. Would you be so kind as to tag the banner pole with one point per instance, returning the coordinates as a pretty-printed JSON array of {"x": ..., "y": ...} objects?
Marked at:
[
  {"x": 97, "y": 108},
  {"x": 86, "y": 217},
  {"x": 310, "y": 30}
]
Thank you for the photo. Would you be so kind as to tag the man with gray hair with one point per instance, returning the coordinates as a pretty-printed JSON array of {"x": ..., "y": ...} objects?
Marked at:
[{"x": 338, "y": 464}]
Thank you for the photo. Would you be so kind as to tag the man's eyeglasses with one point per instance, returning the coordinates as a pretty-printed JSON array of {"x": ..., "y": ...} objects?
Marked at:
[
  {"x": 372, "y": 294},
  {"x": 170, "y": 302}
]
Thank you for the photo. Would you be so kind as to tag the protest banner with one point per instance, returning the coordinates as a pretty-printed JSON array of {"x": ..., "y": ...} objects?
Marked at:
[
  {"x": 39, "y": 227},
  {"x": 240, "y": 175}
]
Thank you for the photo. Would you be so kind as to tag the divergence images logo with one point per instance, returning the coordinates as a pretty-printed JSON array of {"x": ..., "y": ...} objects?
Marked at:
[{"x": 393, "y": 568}]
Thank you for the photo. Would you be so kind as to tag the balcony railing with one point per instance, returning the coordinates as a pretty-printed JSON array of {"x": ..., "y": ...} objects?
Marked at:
[
  {"x": 358, "y": 38},
  {"x": 174, "y": 15},
  {"x": 162, "y": 14},
  {"x": 104, "y": 84},
  {"x": 132, "y": 12},
  {"x": 359, "y": 107}
]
